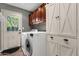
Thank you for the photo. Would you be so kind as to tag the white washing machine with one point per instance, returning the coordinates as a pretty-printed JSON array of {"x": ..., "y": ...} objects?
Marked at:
[
  {"x": 34, "y": 43},
  {"x": 24, "y": 45}
]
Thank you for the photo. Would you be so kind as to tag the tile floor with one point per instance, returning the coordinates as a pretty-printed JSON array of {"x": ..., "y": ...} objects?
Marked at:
[{"x": 17, "y": 53}]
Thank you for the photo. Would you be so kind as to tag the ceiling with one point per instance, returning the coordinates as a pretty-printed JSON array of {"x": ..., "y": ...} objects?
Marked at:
[{"x": 26, "y": 6}]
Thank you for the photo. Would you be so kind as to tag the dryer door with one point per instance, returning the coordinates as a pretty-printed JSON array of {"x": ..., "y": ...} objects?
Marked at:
[{"x": 28, "y": 47}]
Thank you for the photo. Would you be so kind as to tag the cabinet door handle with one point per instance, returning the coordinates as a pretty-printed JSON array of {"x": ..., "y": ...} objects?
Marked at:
[
  {"x": 51, "y": 37},
  {"x": 57, "y": 17},
  {"x": 19, "y": 31},
  {"x": 66, "y": 40},
  {"x": 31, "y": 35}
]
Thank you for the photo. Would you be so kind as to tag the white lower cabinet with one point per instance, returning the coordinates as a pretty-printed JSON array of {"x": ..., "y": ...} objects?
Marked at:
[
  {"x": 52, "y": 49},
  {"x": 61, "y": 46},
  {"x": 67, "y": 51}
]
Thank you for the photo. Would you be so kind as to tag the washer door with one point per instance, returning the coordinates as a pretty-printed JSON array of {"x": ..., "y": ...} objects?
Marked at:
[{"x": 28, "y": 47}]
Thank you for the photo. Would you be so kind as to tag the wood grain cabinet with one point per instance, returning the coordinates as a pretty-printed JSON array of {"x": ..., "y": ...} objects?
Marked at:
[
  {"x": 43, "y": 13},
  {"x": 38, "y": 16},
  {"x": 30, "y": 20}
]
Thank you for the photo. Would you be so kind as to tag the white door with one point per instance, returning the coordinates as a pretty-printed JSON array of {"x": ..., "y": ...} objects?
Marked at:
[
  {"x": 68, "y": 19},
  {"x": 1, "y": 31},
  {"x": 12, "y": 28},
  {"x": 52, "y": 14}
]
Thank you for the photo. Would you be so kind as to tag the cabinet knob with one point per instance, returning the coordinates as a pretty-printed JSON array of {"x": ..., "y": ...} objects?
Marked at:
[
  {"x": 51, "y": 37},
  {"x": 66, "y": 40},
  {"x": 31, "y": 35},
  {"x": 57, "y": 17},
  {"x": 19, "y": 31}
]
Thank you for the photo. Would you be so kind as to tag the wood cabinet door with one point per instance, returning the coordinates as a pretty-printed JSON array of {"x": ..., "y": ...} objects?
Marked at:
[
  {"x": 30, "y": 20},
  {"x": 38, "y": 14},
  {"x": 34, "y": 17},
  {"x": 40, "y": 10},
  {"x": 67, "y": 18},
  {"x": 43, "y": 13},
  {"x": 52, "y": 18}
]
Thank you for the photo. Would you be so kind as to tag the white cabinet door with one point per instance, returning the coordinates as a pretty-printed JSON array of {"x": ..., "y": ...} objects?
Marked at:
[
  {"x": 52, "y": 49},
  {"x": 61, "y": 18},
  {"x": 66, "y": 46},
  {"x": 61, "y": 46},
  {"x": 78, "y": 20},
  {"x": 78, "y": 28},
  {"x": 52, "y": 18},
  {"x": 48, "y": 7},
  {"x": 52, "y": 46},
  {"x": 68, "y": 18},
  {"x": 67, "y": 51}
]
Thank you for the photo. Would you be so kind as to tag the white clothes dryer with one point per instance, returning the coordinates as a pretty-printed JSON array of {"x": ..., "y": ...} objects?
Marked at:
[{"x": 34, "y": 43}]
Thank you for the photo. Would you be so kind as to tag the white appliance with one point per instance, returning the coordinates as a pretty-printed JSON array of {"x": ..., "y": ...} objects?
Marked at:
[{"x": 34, "y": 43}]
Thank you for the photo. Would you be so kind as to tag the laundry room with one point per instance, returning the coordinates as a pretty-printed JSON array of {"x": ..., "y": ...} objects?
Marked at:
[
  {"x": 12, "y": 32},
  {"x": 39, "y": 29}
]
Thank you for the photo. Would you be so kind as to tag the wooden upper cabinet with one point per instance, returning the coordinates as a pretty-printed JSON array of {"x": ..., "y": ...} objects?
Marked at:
[
  {"x": 34, "y": 17},
  {"x": 40, "y": 13},
  {"x": 30, "y": 19},
  {"x": 38, "y": 16},
  {"x": 43, "y": 13}
]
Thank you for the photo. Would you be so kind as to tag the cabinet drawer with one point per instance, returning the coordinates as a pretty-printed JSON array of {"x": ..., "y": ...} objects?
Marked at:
[
  {"x": 69, "y": 42},
  {"x": 52, "y": 38}
]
